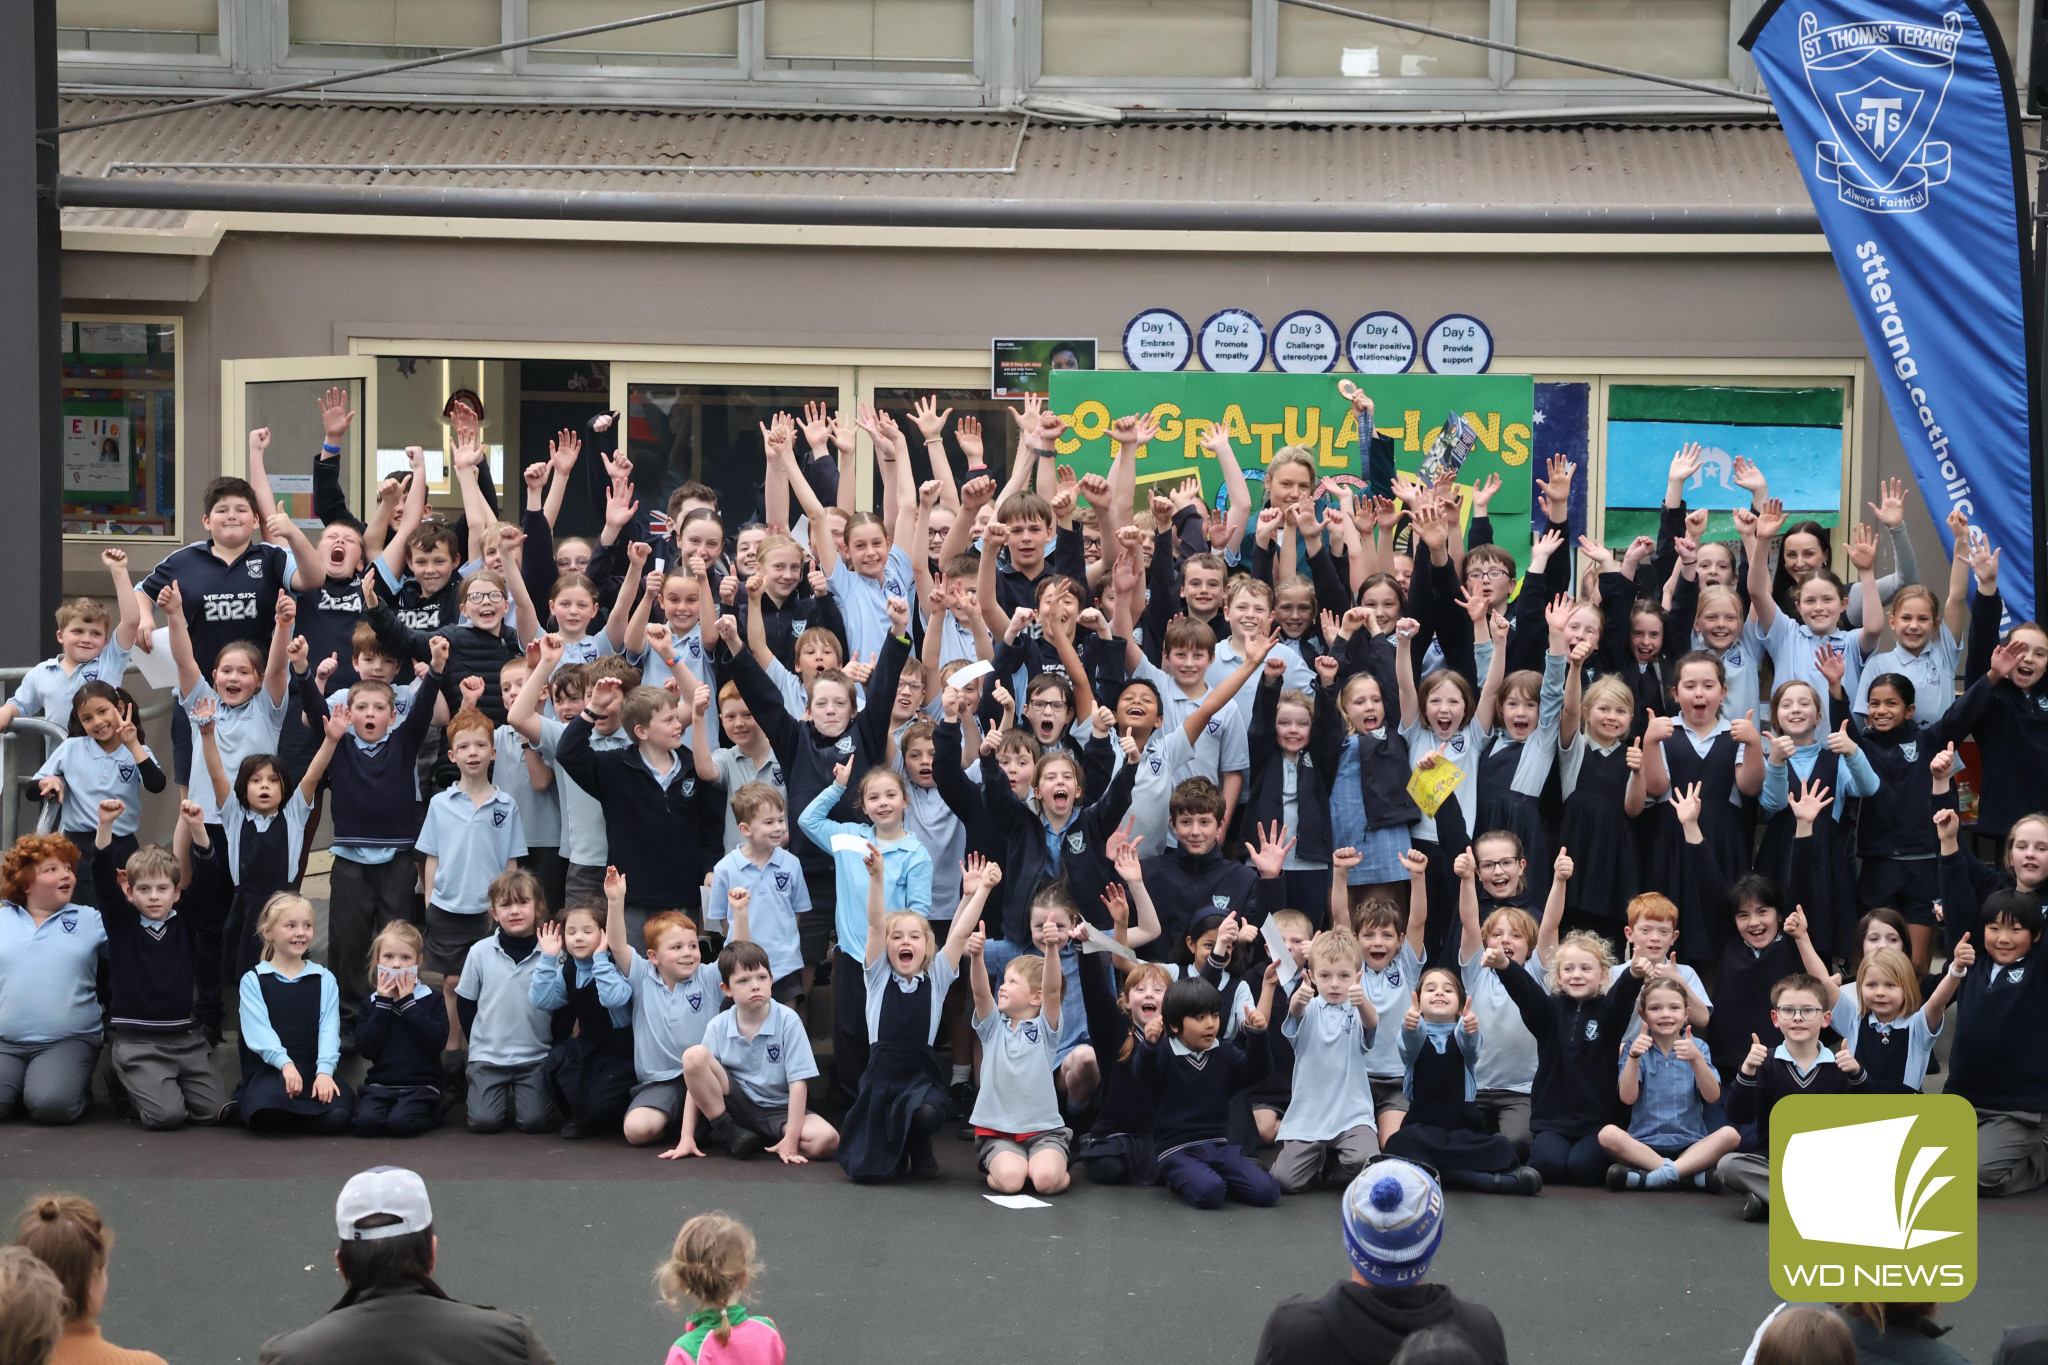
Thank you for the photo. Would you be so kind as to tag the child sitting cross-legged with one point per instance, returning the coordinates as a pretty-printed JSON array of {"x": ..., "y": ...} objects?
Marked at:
[
  {"x": 1667, "y": 1080},
  {"x": 1016, "y": 1116},
  {"x": 749, "y": 1080},
  {"x": 1192, "y": 1075},
  {"x": 1328, "y": 1127}
]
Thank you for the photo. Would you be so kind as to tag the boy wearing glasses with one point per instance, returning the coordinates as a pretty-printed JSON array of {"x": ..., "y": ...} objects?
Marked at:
[
  {"x": 1797, "y": 1066},
  {"x": 482, "y": 642}
]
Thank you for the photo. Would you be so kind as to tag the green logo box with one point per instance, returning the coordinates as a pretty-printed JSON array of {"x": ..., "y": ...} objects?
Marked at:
[{"x": 1873, "y": 1199}]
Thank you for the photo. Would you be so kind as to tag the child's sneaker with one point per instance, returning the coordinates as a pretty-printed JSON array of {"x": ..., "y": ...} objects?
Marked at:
[
  {"x": 1528, "y": 1180},
  {"x": 1620, "y": 1177}
]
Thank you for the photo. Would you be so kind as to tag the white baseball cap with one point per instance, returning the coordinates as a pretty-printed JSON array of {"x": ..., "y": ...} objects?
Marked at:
[{"x": 390, "y": 1190}]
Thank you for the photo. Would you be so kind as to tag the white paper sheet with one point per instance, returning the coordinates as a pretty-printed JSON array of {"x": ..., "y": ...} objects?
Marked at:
[
  {"x": 1100, "y": 942},
  {"x": 849, "y": 843},
  {"x": 1016, "y": 1201},
  {"x": 159, "y": 669},
  {"x": 1276, "y": 948},
  {"x": 980, "y": 668}
]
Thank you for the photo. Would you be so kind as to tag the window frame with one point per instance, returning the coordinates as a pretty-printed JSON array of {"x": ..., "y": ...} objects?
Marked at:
[
  {"x": 183, "y": 453},
  {"x": 143, "y": 65}
]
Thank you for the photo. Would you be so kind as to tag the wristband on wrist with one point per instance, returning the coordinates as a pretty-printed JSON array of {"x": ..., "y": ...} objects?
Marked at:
[
  {"x": 331, "y": 450},
  {"x": 1044, "y": 452}
]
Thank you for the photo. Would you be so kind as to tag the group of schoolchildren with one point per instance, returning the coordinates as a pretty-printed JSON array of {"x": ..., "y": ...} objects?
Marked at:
[{"x": 1196, "y": 831}]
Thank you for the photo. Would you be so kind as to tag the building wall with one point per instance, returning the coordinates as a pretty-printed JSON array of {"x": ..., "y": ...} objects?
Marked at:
[{"x": 298, "y": 295}]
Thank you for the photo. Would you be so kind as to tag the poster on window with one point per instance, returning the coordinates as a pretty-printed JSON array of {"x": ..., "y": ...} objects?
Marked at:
[{"x": 95, "y": 448}]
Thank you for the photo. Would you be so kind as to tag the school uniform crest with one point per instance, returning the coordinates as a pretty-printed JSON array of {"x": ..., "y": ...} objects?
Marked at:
[
  {"x": 127, "y": 773},
  {"x": 70, "y": 923},
  {"x": 775, "y": 773},
  {"x": 1220, "y": 902},
  {"x": 687, "y": 786},
  {"x": 255, "y": 568},
  {"x": 1157, "y": 764},
  {"x": 1215, "y": 727},
  {"x": 1031, "y": 1032},
  {"x": 695, "y": 1002},
  {"x": 798, "y": 627},
  {"x": 845, "y": 744},
  {"x": 1910, "y": 751},
  {"x": 1394, "y": 978},
  {"x": 1592, "y": 1030},
  {"x": 1456, "y": 745},
  {"x": 497, "y": 818},
  {"x": 1733, "y": 658},
  {"x": 1077, "y": 842},
  {"x": 781, "y": 880},
  {"x": 2013, "y": 974},
  {"x": 774, "y": 1052}
]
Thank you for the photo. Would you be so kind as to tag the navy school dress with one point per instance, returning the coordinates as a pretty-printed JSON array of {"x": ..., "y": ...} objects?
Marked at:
[
  {"x": 293, "y": 1008},
  {"x": 590, "y": 1067},
  {"x": 1502, "y": 807},
  {"x": 902, "y": 1075},
  {"x": 1442, "y": 1128},
  {"x": 1701, "y": 935},
  {"x": 1832, "y": 911},
  {"x": 1607, "y": 865},
  {"x": 263, "y": 858}
]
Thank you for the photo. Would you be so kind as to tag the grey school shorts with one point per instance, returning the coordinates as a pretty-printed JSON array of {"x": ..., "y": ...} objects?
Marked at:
[
  {"x": 1386, "y": 1095},
  {"x": 1059, "y": 1140}
]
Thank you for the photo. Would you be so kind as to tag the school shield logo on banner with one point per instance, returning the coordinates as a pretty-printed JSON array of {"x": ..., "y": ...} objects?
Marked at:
[{"x": 1880, "y": 87}]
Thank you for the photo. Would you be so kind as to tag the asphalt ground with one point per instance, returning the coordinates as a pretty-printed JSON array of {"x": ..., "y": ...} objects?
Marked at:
[{"x": 226, "y": 1238}]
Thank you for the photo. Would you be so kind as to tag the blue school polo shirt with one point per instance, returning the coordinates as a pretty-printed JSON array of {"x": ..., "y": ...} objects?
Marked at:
[
  {"x": 667, "y": 1022},
  {"x": 92, "y": 775},
  {"x": 766, "y": 1064},
  {"x": 474, "y": 843},
  {"x": 47, "y": 974}
]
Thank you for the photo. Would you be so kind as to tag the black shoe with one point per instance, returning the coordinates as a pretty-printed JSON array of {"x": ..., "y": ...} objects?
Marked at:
[
  {"x": 961, "y": 1095},
  {"x": 924, "y": 1163},
  {"x": 1617, "y": 1177},
  {"x": 746, "y": 1143},
  {"x": 572, "y": 1131},
  {"x": 1708, "y": 1180},
  {"x": 1756, "y": 1209},
  {"x": 454, "y": 1066},
  {"x": 230, "y": 1114},
  {"x": 1528, "y": 1180}
]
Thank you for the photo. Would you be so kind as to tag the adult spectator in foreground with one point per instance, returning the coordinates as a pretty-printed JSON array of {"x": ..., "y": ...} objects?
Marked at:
[
  {"x": 1393, "y": 1225},
  {"x": 393, "y": 1312},
  {"x": 31, "y": 1308},
  {"x": 67, "y": 1234}
]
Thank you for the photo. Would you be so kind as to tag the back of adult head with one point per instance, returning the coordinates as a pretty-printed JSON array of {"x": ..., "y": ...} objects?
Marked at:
[
  {"x": 1438, "y": 1346},
  {"x": 1806, "y": 1335},
  {"x": 1393, "y": 1223},
  {"x": 31, "y": 1308},
  {"x": 67, "y": 1234},
  {"x": 386, "y": 1225}
]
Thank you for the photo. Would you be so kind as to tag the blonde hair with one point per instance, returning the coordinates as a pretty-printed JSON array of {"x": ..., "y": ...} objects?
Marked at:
[
  {"x": 711, "y": 1265},
  {"x": 1608, "y": 688},
  {"x": 1517, "y": 919},
  {"x": 31, "y": 1307},
  {"x": 1592, "y": 945},
  {"x": 1714, "y": 592},
  {"x": 274, "y": 910},
  {"x": 405, "y": 934},
  {"x": 1030, "y": 969},
  {"x": 1353, "y": 682},
  {"x": 1338, "y": 946},
  {"x": 1892, "y": 963},
  {"x": 931, "y": 947},
  {"x": 1295, "y": 920}
]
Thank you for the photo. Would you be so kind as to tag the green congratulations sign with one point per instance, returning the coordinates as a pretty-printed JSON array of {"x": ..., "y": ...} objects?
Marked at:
[{"x": 1265, "y": 413}]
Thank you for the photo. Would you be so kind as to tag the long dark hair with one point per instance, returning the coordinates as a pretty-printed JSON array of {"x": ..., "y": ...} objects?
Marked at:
[
  {"x": 1784, "y": 590},
  {"x": 102, "y": 691}
]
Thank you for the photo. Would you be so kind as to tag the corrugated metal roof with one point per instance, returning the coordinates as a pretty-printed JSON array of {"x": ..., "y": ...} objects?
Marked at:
[{"x": 1726, "y": 164}]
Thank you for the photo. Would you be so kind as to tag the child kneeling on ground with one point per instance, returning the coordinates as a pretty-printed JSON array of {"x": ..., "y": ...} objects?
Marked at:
[{"x": 1016, "y": 1116}]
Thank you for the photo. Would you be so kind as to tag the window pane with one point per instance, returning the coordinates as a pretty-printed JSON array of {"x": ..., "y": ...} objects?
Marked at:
[
  {"x": 870, "y": 35},
  {"x": 1686, "y": 38},
  {"x": 2005, "y": 14},
  {"x": 707, "y": 39},
  {"x": 1123, "y": 38},
  {"x": 1317, "y": 44},
  {"x": 291, "y": 409},
  {"x": 180, "y": 27},
  {"x": 711, "y": 433},
  {"x": 120, "y": 428},
  {"x": 998, "y": 436},
  {"x": 391, "y": 30}
]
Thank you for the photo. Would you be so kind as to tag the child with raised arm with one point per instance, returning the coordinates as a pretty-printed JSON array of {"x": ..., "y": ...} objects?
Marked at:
[
  {"x": 749, "y": 1079},
  {"x": 401, "y": 1032},
  {"x": 590, "y": 1071},
  {"x": 263, "y": 832},
  {"x": 1328, "y": 1130},
  {"x": 1016, "y": 1115},
  {"x": 376, "y": 819},
  {"x": 157, "y": 1048},
  {"x": 90, "y": 647},
  {"x": 883, "y": 798},
  {"x": 1440, "y": 1047},
  {"x": 766, "y": 880},
  {"x": 873, "y": 570},
  {"x": 662, "y": 821},
  {"x": 1667, "y": 1080},
  {"x": 906, "y": 974},
  {"x": 104, "y": 759},
  {"x": 1505, "y": 1070},
  {"x": 674, "y": 998}
]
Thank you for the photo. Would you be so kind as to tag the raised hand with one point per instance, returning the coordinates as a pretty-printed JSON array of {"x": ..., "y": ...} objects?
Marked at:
[
  {"x": 1685, "y": 1049},
  {"x": 1862, "y": 547},
  {"x": 1685, "y": 803},
  {"x": 548, "y": 938},
  {"x": 1270, "y": 855},
  {"x": 1758, "y": 1055},
  {"x": 1562, "y": 869},
  {"x": 1890, "y": 508}
]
